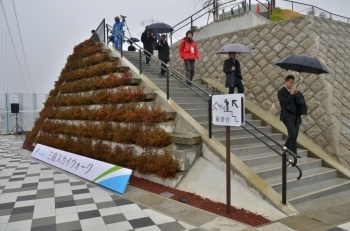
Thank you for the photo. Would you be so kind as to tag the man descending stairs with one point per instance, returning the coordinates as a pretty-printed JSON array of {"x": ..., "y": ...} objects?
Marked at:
[{"x": 319, "y": 187}]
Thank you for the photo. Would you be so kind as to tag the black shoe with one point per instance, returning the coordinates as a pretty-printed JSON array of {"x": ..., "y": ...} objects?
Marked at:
[
  {"x": 189, "y": 84},
  {"x": 298, "y": 156},
  {"x": 162, "y": 76}
]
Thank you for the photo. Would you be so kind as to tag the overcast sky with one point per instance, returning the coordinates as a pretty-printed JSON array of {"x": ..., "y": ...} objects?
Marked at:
[{"x": 50, "y": 29}]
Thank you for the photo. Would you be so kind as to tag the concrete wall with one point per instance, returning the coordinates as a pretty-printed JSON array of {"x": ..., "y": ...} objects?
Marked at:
[
  {"x": 234, "y": 23},
  {"x": 327, "y": 95}
]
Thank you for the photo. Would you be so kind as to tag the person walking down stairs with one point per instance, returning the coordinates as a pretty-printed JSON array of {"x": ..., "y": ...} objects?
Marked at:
[
  {"x": 163, "y": 54},
  {"x": 189, "y": 53},
  {"x": 147, "y": 39}
]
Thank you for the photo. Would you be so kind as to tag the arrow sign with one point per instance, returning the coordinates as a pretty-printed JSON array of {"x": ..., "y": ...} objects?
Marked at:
[
  {"x": 234, "y": 103},
  {"x": 226, "y": 114}
]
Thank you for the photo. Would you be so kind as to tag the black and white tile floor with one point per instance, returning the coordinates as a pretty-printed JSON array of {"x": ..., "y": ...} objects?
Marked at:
[{"x": 34, "y": 196}]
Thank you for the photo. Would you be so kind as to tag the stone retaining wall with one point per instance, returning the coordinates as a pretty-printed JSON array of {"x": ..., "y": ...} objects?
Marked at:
[{"x": 327, "y": 95}]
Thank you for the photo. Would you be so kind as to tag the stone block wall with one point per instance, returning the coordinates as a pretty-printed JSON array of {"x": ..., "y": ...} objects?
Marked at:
[{"x": 327, "y": 95}]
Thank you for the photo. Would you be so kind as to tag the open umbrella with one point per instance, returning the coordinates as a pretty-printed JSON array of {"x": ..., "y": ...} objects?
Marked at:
[
  {"x": 132, "y": 40},
  {"x": 302, "y": 63},
  {"x": 159, "y": 28},
  {"x": 233, "y": 47}
]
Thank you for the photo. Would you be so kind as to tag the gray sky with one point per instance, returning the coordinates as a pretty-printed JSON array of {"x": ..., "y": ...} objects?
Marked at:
[{"x": 50, "y": 29}]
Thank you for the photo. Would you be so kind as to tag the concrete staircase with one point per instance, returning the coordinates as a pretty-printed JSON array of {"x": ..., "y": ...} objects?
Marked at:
[{"x": 320, "y": 186}]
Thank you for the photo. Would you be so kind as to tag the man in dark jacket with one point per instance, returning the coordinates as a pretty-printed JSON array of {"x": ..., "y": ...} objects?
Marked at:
[
  {"x": 232, "y": 68},
  {"x": 147, "y": 39},
  {"x": 290, "y": 112},
  {"x": 163, "y": 53}
]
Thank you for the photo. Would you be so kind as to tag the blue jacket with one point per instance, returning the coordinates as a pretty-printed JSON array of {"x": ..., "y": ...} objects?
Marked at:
[{"x": 118, "y": 27}]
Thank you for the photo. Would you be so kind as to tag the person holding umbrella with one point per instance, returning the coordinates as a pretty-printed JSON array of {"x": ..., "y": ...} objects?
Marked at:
[
  {"x": 293, "y": 106},
  {"x": 147, "y": 39},
  {"x": 232, "y": 69},
  {"x": 163, "y": 54},
  {"x": 189, "y": 53}
]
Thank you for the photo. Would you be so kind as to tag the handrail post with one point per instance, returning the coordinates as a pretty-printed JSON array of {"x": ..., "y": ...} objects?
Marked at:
[
  {"x": 167, "y": 80},
  {"x": 121, "y": 45},
  {"x": 140, "y": 61},
  {"x": 284, "y": 177},
  {"x": 210, "y": 115},
  {"x": 250, "y": 5}
]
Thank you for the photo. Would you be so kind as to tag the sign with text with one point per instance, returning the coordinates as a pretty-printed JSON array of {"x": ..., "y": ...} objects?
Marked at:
[
  {"x": 228, "y": 110},
  {"x": 108, "y": 175}
]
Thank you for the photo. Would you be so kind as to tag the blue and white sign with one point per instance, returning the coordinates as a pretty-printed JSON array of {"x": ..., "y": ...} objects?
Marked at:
[
  {"x": 228, "y": 110},
  {"x": 108, "y": 175}
]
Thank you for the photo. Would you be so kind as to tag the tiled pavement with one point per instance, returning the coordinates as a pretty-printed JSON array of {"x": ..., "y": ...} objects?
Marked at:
[{"x": 36, "y": 196}]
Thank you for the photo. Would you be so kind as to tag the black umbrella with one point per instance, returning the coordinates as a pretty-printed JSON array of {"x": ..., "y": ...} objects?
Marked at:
[
  {"x": 302, "y": 63},
  {"x": 159, "y": 28},
  {"x": 133, "y": 40}
]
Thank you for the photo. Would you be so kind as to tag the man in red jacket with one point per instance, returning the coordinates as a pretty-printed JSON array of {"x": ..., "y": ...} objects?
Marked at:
[{"x": 189, "y": 53}]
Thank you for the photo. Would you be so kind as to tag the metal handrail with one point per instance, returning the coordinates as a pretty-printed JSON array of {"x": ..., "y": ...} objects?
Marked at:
[
  {"x": 169, "y": 69},
  {"x": 192, "y": 20},
  {"x": 305, "y": 4}
]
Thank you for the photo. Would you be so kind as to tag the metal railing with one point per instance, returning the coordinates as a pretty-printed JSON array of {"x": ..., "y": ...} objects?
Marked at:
[
  {"x": 285, "y": 152},
  {"x": 192, "y": 19},
  {"x": 195, "y": 88},
  {"x": 321, "y": 10}
]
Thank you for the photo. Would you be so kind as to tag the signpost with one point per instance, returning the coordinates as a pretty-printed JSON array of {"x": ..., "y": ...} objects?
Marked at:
[{"x": 228, "y": 110}]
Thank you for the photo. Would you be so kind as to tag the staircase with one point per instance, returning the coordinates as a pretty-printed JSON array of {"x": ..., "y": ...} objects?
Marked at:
[{"x": 319, "y": 187}]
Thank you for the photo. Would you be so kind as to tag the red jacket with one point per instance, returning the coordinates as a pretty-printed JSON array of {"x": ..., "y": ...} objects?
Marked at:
[{"x": 185, "y": 50}]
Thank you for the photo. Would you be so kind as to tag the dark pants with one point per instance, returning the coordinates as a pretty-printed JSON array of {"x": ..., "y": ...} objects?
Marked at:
[
  {"x": 189, "y": 66},
  {"x": 163, "y": 67},
  {"x": 237, "y": 83},
  {"x": 148, "y": 56},
  {"x": 292, "y": 125}
]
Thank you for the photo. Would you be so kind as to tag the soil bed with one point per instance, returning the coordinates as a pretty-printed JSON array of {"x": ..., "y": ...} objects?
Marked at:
[{"x": 240, "y": 215}]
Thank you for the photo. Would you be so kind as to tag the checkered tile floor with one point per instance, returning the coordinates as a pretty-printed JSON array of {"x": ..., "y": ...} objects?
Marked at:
[{"x": 34, "y": 196}]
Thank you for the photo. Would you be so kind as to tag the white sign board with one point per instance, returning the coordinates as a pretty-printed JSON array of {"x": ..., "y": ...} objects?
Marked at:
[
  {"x": 108, "y": 175},
  {"x": 228, "y": 110}
]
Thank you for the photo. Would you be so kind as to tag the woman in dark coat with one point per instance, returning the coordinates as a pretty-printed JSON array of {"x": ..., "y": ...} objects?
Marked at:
[
  {"x": 232, "y": 68},
  {"x": 147, "y": 39},
  {"x": 163, "y": 54}
]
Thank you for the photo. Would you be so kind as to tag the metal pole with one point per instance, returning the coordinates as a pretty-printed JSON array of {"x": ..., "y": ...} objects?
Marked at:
[
  {"x": 7, "y": 114},
  {"x": 121, "y": 45},
  {"x": 250, "y": 4},
  {"x": 191, "y": 23},
  {"x": 228, "y": 170},
  {"x": 167, "y": 81},
  {"x": 284, "y": 178},
  {"x": 210, "y": 115},
  {"x": 140, "y": 61},
  {"x": 171, "y": 38},
  {"x": 104, "y": 31},
  {"x": 292, "y": 7}
]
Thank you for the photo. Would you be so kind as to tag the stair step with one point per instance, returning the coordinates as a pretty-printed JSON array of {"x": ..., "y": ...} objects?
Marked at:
[
  {"x": 254, "y": 122},
  {"x": 240, "y": 131},
  {"x": 317, "y": 190},
  {"x": 193, "y": 105},
  {"x": 326, "y": 201},
  {"x": 275, "y": 169},
  {"x": 254, "y": 148},
  {"x": 248, "y": 139},
  {"x": 268, "y": 157},
  {"x": 309, "y": 176}
]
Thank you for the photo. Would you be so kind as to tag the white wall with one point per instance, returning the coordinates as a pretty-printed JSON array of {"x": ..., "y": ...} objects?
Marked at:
[{"x": 231, "y": 24}]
